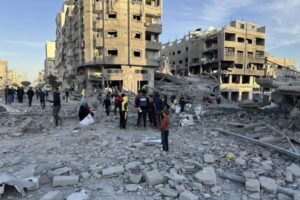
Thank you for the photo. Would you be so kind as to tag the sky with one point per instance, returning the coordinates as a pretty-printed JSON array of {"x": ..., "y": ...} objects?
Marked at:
[{"x": 25, "y": 26}]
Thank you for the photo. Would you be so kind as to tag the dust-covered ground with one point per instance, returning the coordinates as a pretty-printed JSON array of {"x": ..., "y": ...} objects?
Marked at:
[{"x": 197, "y": 159}]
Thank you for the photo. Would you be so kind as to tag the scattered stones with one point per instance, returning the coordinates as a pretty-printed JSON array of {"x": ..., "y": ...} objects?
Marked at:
[
  {"x": 60, "y": 181},
  {"x": 255, "y": 196},
  {"x": 209, "y": 158},
  {"x": 207, "y": 176},
  {"x": 82, "y": 195},
  {"x": 252, "y": 185},
  {"x": 113, "y": 171},
  {"x": 154, "y": 177},
  {"x": 240, "y": 161},
  {"x": 167, "y": 192},
  {"x": 132, "y": 187},
  {"x": 186, "y": 195},
  {"x": 268, "y": 185},
  {"x": 24, "y": 126},
  {"x": 85, "y": 175},
  {"x": 53, "y": 195},
  {"x": 284, "y": 197}
]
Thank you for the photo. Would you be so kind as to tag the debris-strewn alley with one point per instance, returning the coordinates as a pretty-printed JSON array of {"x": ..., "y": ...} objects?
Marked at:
[{"x": 101, "y": 161}]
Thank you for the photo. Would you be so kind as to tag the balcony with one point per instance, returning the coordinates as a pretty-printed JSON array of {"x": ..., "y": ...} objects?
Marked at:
[
  {"x": 98, "y": 7},
  {"x": 98, "y": 24},
  {"x": 153, "y": 45},
  {"x": 153, "y": 28}
]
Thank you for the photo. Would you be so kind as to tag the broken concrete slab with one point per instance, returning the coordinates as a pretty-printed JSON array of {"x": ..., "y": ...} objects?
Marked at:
[
  {"x": 207, "y": 176},
  {"x": 154, "y": 177},
  {"x": 187, "y": 195},
  {"x": 132, "y": 187},
  {"x": 135, "y": 178},
  {"x": 60, "y": 171},
  {"x": 133, "y": 165},
  {"x": 174, "y": 176},
  {"x": 26, "y": 172},
  {"x": 113, "y": 171},
  {"x": 82, "y": 195},
  {"x": 19, "y": 184},
  {"x": 61, "y": 181},
  {"x": 150, "y": 141},
  {"x": 268, "y": 185},
  {"x": 168, "y": 192},
  {"x": 53, "y": 195},
  {"x": 294, "y": 169},
  {"x": 24, "y": 126},
  {"x": 252, "y": 185}
]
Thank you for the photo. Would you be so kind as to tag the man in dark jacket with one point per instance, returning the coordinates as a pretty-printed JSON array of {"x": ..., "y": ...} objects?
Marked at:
[
  {"x": 142, "y": 104},
  {"x": 42, "y": 98},
  {"x": 158, "y": 108},
  {"x": 30, "y": 94},
  {"x": 56, "y": 106},
  {"x": 22, "y": 92},
  {"x": 6, "y": 94}
]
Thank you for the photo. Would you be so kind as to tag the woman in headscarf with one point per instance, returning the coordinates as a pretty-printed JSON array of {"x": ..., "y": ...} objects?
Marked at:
[{"x": 84, "y": 110}]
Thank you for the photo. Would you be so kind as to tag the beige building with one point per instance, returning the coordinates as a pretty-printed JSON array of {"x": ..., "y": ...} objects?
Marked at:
[
  {"x": 108, "y": 43},
  {"x": 236, "y": 53},
  {"x": 7, "y": 76},
  {"x": 3, "y": 73},
  {"x": 49, "y": 65}
]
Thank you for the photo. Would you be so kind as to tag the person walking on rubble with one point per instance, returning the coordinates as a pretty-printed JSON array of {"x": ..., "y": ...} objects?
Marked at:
[
  {"x": 118, "y": 101},
  {"x": 158, "y": 108},
  {"x": 142, "y": 104},
  {"x": 56, "y": 106},
  {"x": 151, "y": 110},
  {"x": 42, "y": 96},
  {"x": 107, "y": 104},
  {"x": 164, "y": 128},
  {"x": 182, "y": 103},
  {"x": 6, "y": 94},
  {"x": 30, "y": 94},
  {"x": 67, "y": 93},
  {"x": 124, "y": 112}
]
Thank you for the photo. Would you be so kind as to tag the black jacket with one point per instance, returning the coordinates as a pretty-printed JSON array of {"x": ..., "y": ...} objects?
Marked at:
[{"x": 30, "y": 93}]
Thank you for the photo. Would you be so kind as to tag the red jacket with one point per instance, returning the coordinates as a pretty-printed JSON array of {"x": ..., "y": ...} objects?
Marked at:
[{"x": 165, "y": 124}]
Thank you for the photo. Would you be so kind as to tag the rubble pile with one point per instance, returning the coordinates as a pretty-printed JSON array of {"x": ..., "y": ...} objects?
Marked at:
[{"x": 101, "y": 161}]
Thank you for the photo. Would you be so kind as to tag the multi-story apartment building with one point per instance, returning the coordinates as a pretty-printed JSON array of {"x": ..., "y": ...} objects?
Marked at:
[
  {"x": 3, "y": 73},
  {"x": 104, "y": 43},
  {"x": 236, "y": 53},
  {"x": 49, "y": 65}
]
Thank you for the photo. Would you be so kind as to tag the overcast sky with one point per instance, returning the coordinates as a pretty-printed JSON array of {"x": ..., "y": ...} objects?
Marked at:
[{"x": 25, "y": 25}]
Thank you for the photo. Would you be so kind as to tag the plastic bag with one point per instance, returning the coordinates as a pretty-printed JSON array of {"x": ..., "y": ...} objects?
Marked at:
[{"x": 88, "y": 120}]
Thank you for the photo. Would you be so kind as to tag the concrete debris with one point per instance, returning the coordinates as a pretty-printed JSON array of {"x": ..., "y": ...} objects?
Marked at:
[
  {"x": 60, "y": 171},
  {"x": 209, "y": 158},
  {"x": 135, "y": 178},
  {"x": 113, "y": 171},
  {"x": 187, "y": 120},
  {"x": 132, "y": 187},
  {"x": 19, "y": 184},
  {"x": 154, "y": 177},
  {"x": 148, "y": 141},
  {"x": 168, "y": 192},
  {"x": 186, "y": 195},
  {"x": 61, "y": 181},
  {"x": 268, "y": 184},
  {"x": 82, "y": 195},
  {"x": 24, "y": 126},
  {"x": 253, "y": 185},
  {"x": 294, "y": 170},
  {"x": 53, "y": 195},
  {"x": 207, "y": 176}
]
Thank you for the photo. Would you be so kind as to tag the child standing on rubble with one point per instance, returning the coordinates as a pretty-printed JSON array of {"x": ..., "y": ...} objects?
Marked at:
[{"x": 164, "y": 128}]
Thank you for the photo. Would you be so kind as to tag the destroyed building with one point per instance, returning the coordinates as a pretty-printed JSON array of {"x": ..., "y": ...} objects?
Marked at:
[
  {"x": 8, "y": 76},
  {"x": 108, "y": 43},
  {"x": 237, "y": 51},
  {"x": 49, "y": 65}
]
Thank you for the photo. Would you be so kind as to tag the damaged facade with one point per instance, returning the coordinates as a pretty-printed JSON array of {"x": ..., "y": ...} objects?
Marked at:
[
  {"x": 8, "y": 76},
  {"x": 108, "y": 43},
  {"x": 49, "y": 65},
  {"x": 236, "y": 53}
]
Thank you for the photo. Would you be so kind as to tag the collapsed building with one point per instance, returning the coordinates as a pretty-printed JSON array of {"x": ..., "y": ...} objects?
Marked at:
[
  {"x": 235, "y": 54},
  {"x": 108, "y": 43}
]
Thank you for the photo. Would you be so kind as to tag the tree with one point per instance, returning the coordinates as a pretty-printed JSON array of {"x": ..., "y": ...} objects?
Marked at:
[
  {"x": 52, "y": 81},
  {"x": 25, "y": 83}
]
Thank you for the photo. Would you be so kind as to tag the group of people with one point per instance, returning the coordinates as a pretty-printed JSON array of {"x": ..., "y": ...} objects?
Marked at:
[{"x": 11, "y": 93}]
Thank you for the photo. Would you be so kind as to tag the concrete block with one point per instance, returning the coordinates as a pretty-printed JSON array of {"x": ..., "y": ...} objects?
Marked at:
[
  {"x": 186, "y": 195},
  {"x": 133, "y": 165},
  {"x": 113, "y": 171},
  {"x": 132, "y": 187},
  {"x": 268, "y": 185},
  {"x": 207, "y": 176},
  {"x": 209, "y": 158},
  {"x": 294, "y": 169},
  {"x": 53, "y": 195},
  {"x": 135, "y": 178},
  {"x": 252, "y": 185},
  {"x": 154, "y": 177},
  {"x": 82, "y": 195},
  {"x": 168, "y": 192},
  {"x": 60, "y": 181}
]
